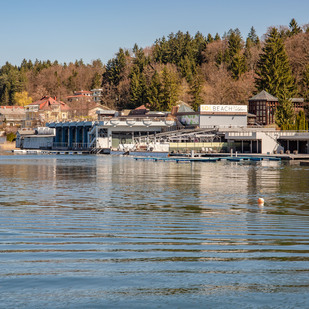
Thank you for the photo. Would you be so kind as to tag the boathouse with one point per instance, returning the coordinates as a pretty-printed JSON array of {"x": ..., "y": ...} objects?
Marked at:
[
  {"x": 109, "y": 132},
  {"x": 39, "y": 138}
]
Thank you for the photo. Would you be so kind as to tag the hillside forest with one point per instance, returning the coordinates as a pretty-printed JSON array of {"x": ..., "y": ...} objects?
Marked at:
[{"x": 196, "y": 69}]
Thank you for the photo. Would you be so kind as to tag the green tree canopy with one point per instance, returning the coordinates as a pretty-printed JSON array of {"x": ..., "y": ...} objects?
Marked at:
[
  {"x": 273, "y": 71},
  {"x": 137, "y": 88},
  {"x": 274, "y": 75},
  {"x": 252, "y": 36},
  {"x": 114, "y": 68},
  {"x": 237, "y": 63},
  {"x": 170, "y": 89},
  {"x": 294, "y": 28},
  {"x": 154, "y": 92}
]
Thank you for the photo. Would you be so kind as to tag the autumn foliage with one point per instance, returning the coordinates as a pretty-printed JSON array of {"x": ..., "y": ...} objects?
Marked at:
[{"x": 196, "y": 69}]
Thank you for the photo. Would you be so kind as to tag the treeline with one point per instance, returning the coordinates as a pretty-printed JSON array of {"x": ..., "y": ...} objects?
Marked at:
[
  {"x": 195, "y": 69},
  {"x": 30, "y": 81},
  {"x": 211, "y": 69}
]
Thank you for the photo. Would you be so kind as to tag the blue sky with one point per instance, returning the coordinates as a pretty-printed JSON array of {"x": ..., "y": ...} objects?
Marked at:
[{"x": 66, "y": 30}]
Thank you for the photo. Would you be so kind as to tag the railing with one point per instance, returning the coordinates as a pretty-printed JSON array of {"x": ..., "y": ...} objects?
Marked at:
[
  {"x": 80, "y": 146},
  {"x": 62, "y": 145},
  {"x": 92, "y": 143}
]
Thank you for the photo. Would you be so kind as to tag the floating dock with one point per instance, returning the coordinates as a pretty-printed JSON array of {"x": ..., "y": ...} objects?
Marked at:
[
  {"x": 47, "y": 152},
  {"x": 208, "y": 159}
]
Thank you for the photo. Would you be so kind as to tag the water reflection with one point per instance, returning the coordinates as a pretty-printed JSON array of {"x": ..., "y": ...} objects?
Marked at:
[{"x": 101, "y": 231}]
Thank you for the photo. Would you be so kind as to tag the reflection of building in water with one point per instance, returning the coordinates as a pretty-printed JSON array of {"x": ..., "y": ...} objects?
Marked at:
[
  {"x": 223, "y": 179},
  {"x": 237, "y": 182},
  {"x": 155, "y": 184},
  {"x": 263, "y": 178},
  {"x": 32, "y": 171}
]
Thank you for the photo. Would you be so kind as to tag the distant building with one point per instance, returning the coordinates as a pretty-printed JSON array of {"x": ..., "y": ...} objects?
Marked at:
[
  {"x": 80, "y": 96},
  {"x": 185, "y": 114},
  {"x": 97, "y": 94},
  {"x": 46, "y": 110},
  {"x": 141, "y": 110},
  {"x": 83, "y": 93},
  {"x": 264, "y": 106},
  {"x": 13, "y": 116},
  {"x": 39, "y": 138},
  {"x": 106, "y": 113},
  {"x": 95, "y": 110}
]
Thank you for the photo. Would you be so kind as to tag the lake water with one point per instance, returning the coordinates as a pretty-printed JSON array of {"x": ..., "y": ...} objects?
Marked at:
[{"x": 112, "y": 232}]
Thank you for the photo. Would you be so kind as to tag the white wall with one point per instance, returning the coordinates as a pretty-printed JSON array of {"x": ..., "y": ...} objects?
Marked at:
[
  {"x": 269, "y": 142},
  {"x": 102, "y": 142},
  {"x": 223, "y": 120}
]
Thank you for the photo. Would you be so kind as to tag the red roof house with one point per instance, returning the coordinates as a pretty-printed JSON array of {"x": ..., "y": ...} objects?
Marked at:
[{"x": 48, "y": 109}]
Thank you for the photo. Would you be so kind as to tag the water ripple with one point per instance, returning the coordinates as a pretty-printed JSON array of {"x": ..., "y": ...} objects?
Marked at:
[{"x": 93, "y": 232}]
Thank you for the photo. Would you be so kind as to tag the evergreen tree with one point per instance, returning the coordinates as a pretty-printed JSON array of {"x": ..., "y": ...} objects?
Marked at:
[
  {"x": 135, "y": 93},
  {"x": 219, "y": 58},
  {"x": 137, "y": 88},
  {"x": 247, "y": 53},
  {"x": 170, "y": 89},
  {"x": 187, "y": 68},
  {"x": 96, "y": 81},
  {"x": 237, "y": 64},
  {"x": 195, "y": 90},
  {"x": 154, "y": 93},
  {"x": 161, "y": 52},
  {"x": 71, "y": 81},
  {"x": 252, "y": 37},
  {"x": 199, "y": 46},
  {"x": 210, "y": 39},
  {"x": 182, "y": 50},
  {"x": 140, "y": 59},
  {"x": 300, "y": 123},
  {"x": 12, "y": 80},
  {"x": 115, "y": 68},
  {"x": 4, "y": 92},
  {"x": 273, "y": 71},
  {"x": 251, "y": 42},
  {"x": 294, "y": 28},
  {"x": 275, "y": 76},
  {"x": 285, "y": 115},
  {"x": 217, "y": 37},
  {"x": 305, "y": 83}
]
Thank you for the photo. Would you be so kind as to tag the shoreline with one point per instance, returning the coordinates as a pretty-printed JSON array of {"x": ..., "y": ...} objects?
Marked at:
[
  {"x": 7, "y": 147},
  {"x": 152, "y": 155}
]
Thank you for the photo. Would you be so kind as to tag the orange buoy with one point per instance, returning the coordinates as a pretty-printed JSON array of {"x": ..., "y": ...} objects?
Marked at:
[{"x": 260, "y": 200}]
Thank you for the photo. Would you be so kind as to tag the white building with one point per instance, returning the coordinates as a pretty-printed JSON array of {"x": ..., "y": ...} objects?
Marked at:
[
  {"x": 96, "y": 94},
  {"x": 223, "y": 116}
]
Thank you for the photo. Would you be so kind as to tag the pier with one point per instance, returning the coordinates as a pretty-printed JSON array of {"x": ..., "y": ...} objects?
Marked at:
[
  {"x": 208, "y": 159},
  {"x": 299, "y": 158}
]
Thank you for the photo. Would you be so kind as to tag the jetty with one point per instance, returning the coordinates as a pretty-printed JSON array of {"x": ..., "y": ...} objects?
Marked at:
[
  {"x": 303, "y": 159},
  {"x": 207, "y": 159}
]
